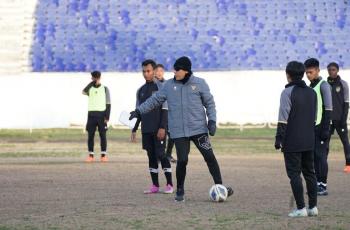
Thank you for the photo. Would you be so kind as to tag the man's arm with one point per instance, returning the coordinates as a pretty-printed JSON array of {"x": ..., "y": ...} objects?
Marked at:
[
  {"x": 87, "y": 88},
  {"x": 326, "y": 93},
  {"x": 138, "y": 121},
  {"x": 156, "y": 100},
  {"x": 328, "y": 107},
  {"x": 163, "y": 124},
  {"x": 344, "y": 117},
  {"x": 108, "y": 104},
  {"x": 283, "y": 115},
  {"x": 136, "y": 127},
  {"x": 208, "y": 101}
]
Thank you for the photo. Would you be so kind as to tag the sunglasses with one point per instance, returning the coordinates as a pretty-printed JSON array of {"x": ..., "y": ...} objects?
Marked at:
[{"x": 177, "y": 68}]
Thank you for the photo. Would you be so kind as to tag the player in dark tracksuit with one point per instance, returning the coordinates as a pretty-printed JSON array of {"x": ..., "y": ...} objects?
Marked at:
[
  {"x": 153, "y": 127},
  {"x": 190, "y": 103},
  {"x": 324, "y": 110},
  {"x": 340, "y": 97},
  {"x": 98, "y": 115},
  {"x": 159, "y": 74},
  {"x": 296, "y": 137}
]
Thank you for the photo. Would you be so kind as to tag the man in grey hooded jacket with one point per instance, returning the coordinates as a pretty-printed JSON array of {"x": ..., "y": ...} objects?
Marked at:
[{"x": 189, "y": 104}]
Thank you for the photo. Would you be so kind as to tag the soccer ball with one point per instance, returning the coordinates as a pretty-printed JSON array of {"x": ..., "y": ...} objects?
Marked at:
[{"x": 218, "y": 193}]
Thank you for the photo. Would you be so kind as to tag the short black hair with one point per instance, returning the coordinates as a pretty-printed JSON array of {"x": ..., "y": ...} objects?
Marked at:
[
  {"x": 312, "y": 62},
  {"x": 149, "y": 62},
  {"x": 333, "y": 64},
  {"x": 295, "y": 70},
  {"x": 96, "y": 74},
  {"x": 160, "y": 66}
]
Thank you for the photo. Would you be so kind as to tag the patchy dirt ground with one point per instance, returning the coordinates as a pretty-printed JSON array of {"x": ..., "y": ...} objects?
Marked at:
[{"x": 66, "y": 193}]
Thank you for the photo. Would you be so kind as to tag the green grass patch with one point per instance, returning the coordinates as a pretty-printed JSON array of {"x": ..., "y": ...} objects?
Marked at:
[
  {"x": 72, "y": 142},
  {"x": 40, "y": 154}
]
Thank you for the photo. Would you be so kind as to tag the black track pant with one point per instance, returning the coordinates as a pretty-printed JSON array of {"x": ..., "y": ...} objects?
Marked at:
[
  {"x": 183, "y": 148},
  {"x": 321, "y": 158},
  {"x": 91, "y": 125},
  {"x": 156, "y": 152},
  {"x": 342, "y": 130},
  {"x": 297, "y": 163}
]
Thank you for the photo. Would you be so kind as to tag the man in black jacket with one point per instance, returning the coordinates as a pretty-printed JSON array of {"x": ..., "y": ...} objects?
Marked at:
[
  {"x": 323, "y": 121},
  {"x": 340, "y": 98},
  {"x": 153, "y": 127},
  {"x": 296, "y": 137}
]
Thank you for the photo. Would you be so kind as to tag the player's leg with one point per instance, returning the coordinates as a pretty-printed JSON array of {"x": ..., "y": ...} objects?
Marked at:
[
  {"x": 317, "y": 158},
  {"x": 342, "y": 131},
  {"x": 293, "y": 168},
  {"x": 160, "y": 152},
  {"x": 148, "y": 145},
  {"x": 307, "y": 167},
  {"x": 168, "y": 173},
  {"x": 182, "y": 146},
  {"x": 323, "y": 169},
  {"x": 203, "y": 144},
  {"x": 102, "y": 129},
  {"x": 91, "y": 129},
  {"x": 332, "y": 129}
]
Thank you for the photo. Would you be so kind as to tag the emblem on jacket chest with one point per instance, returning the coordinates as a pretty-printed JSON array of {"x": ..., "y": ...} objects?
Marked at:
[{"x": 337, "y": 89}]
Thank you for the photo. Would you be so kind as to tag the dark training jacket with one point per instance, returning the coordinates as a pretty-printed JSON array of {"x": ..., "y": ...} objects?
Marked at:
[
  {"x": 340, "y": 98},
  {"x": 158, "y": 117},
  {"x": 297, "y": 113}
]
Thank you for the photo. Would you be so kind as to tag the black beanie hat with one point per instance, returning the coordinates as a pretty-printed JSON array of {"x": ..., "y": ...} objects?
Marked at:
[{"x": 183, "y": 63}]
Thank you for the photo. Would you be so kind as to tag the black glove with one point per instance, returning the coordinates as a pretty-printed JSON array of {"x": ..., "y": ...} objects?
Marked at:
[
  {"x": 325, "y": 125},
  {"x": 280, "y": 134},
  {"x": 278, "y": 143},
  {"x": 211, "y": 127},
  {"x": 135, "y": 114}
]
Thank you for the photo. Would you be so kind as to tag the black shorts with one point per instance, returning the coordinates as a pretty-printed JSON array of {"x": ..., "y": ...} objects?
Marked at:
[
  {"x": 94, "y": 122},
  {"x": 151, "y": 143}
]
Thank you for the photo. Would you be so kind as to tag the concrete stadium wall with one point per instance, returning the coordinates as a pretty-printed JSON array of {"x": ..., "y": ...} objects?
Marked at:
[{"x": 48, "y": 100}]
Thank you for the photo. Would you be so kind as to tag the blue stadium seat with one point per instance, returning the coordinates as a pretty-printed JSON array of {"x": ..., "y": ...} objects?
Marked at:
[{"x": 80, "y": 35}]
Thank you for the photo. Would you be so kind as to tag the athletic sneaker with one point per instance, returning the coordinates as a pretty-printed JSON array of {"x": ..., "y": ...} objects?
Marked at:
[
  {"x": 168, "y": 189},
  {"x": 298, "y": 213},
  {"x": 90, "y": 159},
  {"x": 312, "y": 211},
  {"x": 229, "y": 191},
  {"x": 322, "y": 191},
  {"x": 347, "y": 169},
  {"x": 151, "y": 190},
  {"x": 104, "y": 159},
  {"x": 180, "y": 195}
]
